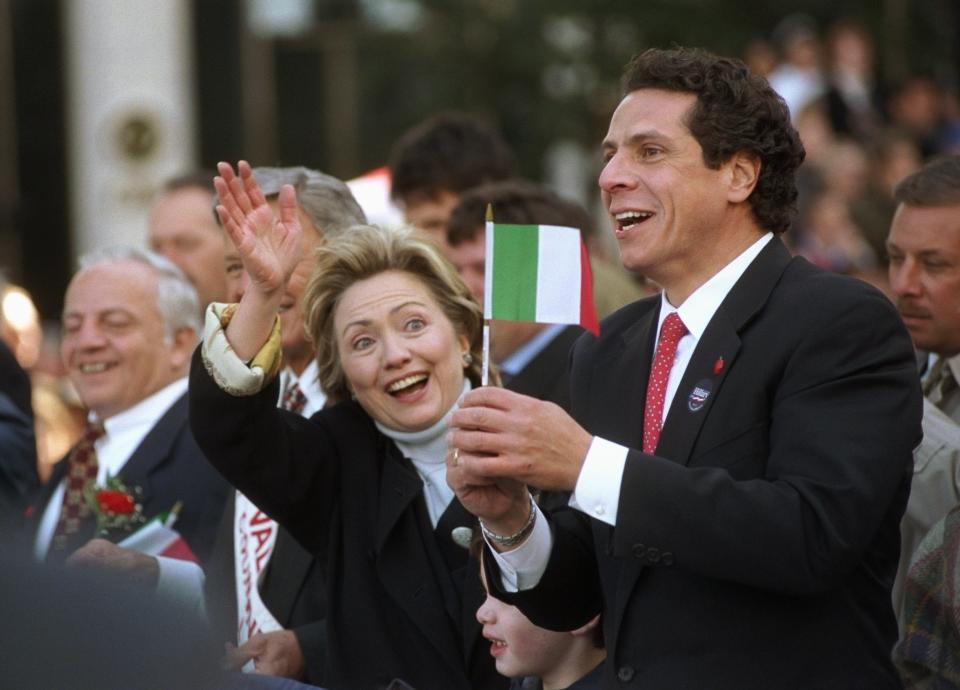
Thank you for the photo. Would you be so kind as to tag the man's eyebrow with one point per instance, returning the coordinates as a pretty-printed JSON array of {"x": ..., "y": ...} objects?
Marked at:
[{"x": 636, "y": 138}]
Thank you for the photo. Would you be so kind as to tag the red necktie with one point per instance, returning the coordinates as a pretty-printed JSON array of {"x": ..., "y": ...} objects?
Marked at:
[
  {"x": 81, "y": 470},
  {"x": 294, "y": 399},
  {"x": 671, "y": 332}
]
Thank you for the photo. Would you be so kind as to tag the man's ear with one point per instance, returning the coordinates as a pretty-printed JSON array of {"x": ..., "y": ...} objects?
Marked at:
[
  {"x": 744, "y": 170},
  {"x": 588, "y": 628},
  {"x": 184, "y": 342}
]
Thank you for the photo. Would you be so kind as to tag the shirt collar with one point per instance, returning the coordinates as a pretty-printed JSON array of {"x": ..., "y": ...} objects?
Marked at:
[
  {"x": 697, "y": 310},
  {"x": 309, "y": 383},
  {"x": 147, "y": 411}
]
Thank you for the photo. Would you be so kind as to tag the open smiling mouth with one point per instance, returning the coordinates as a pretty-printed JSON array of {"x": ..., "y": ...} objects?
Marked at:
[
  {"x": 94, "y": 367},
  {"x": 629, "y": 219},
  {"x": 407, "y": 385}
]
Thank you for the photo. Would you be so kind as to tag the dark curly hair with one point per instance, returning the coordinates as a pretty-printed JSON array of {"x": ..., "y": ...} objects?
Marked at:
[
  {"x": 449, "y": 152},
  {"x": 735, "y": 111}
]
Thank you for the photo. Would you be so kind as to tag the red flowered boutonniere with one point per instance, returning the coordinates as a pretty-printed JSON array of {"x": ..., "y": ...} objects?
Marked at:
[{"x": 114, "y": 505}]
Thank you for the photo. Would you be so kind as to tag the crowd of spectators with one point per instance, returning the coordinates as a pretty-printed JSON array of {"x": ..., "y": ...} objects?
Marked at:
[{"x": 225, "y": 242}]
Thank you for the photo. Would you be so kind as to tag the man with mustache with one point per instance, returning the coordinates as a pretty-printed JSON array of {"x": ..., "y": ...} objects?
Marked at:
[{"x": 924, "y": 250}]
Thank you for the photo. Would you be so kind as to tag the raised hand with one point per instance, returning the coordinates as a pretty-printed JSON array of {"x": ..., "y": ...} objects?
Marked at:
[{"x": 269, "y": 246}]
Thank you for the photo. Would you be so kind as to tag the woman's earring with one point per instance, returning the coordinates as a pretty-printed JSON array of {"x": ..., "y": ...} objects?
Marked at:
[{"x": 467, "y": 359}]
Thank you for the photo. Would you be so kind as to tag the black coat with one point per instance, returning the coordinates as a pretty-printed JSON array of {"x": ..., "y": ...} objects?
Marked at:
[
  {"x": 399, "y": 603},
  {"x": 757, "y": 547}
]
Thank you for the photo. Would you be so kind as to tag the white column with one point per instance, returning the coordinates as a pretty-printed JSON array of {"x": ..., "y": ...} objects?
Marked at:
[{"x": 130, "y": 112}]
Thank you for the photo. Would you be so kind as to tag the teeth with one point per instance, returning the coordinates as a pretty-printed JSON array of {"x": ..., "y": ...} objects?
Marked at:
[
  {"x": 406, "y": 382},
  {"x": 92, "y": 368},
  {"x": 632, "y": 215}
]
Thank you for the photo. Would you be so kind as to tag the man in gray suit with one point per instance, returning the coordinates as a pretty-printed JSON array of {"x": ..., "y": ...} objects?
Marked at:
[{"x": 924, "y": 250}]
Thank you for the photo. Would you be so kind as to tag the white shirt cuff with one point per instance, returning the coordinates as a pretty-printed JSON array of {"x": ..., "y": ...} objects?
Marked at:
[
  {"x": 182, "y": 582},
  {"x": 597, "y": 492},
  {"x": 523, "y": 567}
]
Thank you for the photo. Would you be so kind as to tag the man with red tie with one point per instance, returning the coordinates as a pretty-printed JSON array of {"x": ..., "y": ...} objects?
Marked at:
[{"x": 740, "y": 445}]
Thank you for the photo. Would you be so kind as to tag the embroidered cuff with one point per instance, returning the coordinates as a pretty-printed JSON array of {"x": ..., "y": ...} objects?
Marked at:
[{"x": 231, "y": 373}]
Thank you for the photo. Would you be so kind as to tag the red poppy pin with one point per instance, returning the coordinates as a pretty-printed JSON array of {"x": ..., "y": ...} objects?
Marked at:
[{"x": 718, "y": 366}]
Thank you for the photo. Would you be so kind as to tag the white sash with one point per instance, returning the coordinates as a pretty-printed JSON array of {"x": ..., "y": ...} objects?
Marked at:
[{"x": 254, "y": 535}]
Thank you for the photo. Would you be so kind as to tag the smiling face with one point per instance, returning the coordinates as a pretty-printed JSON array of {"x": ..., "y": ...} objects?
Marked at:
[
  {"x": 400, "y": 354},
  {"x": 924, "y": 250},
  {"x": 519, "y": 647},
  {"x": 114, "y": 346},
  {"x": 675, "y": 220}
]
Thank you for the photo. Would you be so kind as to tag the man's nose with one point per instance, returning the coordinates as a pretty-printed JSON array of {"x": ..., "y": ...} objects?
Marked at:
[
  {"x": 905, "y": 278},
  {"x": 616, "y": 174}
]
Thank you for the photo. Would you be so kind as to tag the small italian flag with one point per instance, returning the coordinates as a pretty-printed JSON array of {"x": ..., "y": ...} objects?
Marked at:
[
  {"x": 538, "y": 273},
  {"x": 158, "y": 538}
]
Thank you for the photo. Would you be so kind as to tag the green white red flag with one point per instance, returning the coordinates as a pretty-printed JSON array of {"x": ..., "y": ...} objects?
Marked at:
[{"x": 538, "y": 273}]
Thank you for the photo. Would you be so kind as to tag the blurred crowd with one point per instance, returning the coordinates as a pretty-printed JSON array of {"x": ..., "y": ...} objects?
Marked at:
[
  {"x": 862, "y": 138},
  {"x": 861, "y": 135}
]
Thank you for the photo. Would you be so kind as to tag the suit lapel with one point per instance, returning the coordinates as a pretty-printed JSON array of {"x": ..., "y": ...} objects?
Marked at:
[
  {"x": 154, "y": 450},
  {"x": 717, "y": 351},
  {"x": 619, "y": 417},
  {"x": 403, "y": 566}
]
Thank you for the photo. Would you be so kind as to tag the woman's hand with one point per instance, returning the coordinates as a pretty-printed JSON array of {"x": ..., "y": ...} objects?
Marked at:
[
  {"x": 269, "y": 247},
  {"x": 502, "y": 504}
]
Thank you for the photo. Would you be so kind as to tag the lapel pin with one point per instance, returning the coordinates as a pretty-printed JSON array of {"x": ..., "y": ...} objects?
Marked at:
[
  {"x": 718, "y": 366},
  {"x": 699, "y": 394},
  {"x": 462, "y": 536}
]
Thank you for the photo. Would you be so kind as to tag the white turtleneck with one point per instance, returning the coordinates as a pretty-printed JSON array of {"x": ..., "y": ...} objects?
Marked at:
[{"x": 427, "y": 450}]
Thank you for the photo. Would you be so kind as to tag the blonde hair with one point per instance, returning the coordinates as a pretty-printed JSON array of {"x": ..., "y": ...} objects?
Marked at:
[{"x": 364, "y": 251}]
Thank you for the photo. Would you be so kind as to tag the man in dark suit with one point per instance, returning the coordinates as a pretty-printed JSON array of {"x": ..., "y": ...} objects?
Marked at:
[
  {"x": 741, "y": 452},
  {"x": 130, "y": 322}
]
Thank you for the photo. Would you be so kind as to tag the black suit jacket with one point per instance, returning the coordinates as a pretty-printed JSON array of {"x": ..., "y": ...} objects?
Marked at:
[
  {"x": 345, "y": 492},
  {"x": 293, "y": 588},
  {"x": 547, "y": 375},
  {"x": 757, "y": 547},
  {"x": 167, "y": 466}
]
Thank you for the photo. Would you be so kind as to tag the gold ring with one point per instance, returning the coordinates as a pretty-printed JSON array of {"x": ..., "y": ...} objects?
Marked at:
[{"x": 456, "y": 457}]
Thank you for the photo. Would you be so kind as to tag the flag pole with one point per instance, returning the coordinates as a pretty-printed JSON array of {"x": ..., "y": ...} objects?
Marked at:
[{"x": 488, "y": 277}]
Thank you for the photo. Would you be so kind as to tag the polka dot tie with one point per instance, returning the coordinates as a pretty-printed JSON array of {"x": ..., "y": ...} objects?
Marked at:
[{"x": 670, "y": 334}]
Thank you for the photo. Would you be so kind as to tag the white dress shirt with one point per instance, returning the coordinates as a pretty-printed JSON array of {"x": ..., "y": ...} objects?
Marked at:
[
  {"x": 124, "y": 432},
  {"x": 597, "y": 492}
]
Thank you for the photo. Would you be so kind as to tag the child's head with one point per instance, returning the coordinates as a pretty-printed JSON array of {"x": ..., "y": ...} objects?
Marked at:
[{"x": 520, "y": 648}]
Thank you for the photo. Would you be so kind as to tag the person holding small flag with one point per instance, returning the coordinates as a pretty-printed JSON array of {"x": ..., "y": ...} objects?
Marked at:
[{"x": 739, "y": 448}]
